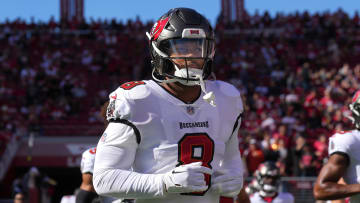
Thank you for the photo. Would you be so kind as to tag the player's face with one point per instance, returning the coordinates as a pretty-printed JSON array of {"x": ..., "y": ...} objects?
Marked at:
[
  {"x": 188, "y": 49},
  {"x": 19, "y": 198},
  {"x": 269, "y": 180}
]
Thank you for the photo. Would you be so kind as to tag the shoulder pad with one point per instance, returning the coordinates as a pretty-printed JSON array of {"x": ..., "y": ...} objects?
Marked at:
[
  {"x": 227, "y": 89},
  {"x": 342, "y": 134},
  {"x": 123, "y": 97},
  {"x": 135, "y": 90}
]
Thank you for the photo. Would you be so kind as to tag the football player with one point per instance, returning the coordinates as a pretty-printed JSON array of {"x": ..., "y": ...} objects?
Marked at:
[
  {"x": 87, "y": 192},
  {"x": 344, "y": 161},
  {"x": 173, "y": 139},
  {"x": 268, "y": 179},
  {"x": 252, "y": 187}
]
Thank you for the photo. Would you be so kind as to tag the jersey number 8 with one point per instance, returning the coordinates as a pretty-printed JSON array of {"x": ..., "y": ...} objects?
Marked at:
[{"x": 195, "y": 147}]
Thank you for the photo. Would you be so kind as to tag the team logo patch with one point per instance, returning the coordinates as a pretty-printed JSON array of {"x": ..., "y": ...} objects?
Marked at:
[
  {"x": 194, "y": 32},
  {"x": 110, "y": 109}
]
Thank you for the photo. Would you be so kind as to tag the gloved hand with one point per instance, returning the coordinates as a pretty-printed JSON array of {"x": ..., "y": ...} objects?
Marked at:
[
  {"x": 186, "y": 178},
  {"x": 226, "y": 183}
]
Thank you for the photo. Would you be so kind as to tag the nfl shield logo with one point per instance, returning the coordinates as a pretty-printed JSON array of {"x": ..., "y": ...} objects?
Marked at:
[
  {"x": 190, "y": 110},
  {"x": 103, "y": 137}
]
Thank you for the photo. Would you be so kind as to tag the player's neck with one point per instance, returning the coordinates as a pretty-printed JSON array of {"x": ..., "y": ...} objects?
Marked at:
[{"x": 187, "y": 94}]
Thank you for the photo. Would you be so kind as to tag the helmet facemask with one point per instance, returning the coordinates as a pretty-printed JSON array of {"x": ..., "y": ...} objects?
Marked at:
[{"x": 185, "y": 60}]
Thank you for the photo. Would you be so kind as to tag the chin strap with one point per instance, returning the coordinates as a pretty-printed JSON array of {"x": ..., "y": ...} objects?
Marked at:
[
  {"x": 209, "y": 97},
  {"x": 267, "y": 194},
  {"x": 268, "y": 191}
]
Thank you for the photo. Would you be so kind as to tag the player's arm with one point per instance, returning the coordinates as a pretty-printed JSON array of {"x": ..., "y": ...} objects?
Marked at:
[
  {"x": 327, "y": 186},
  {"x": 113, "y": 177},
  {"x": 86, "y": 183},
  {"x": 114, "y": 157},
  {"x": 87, "y": 192},
  {"x": 341, "y": 181}
]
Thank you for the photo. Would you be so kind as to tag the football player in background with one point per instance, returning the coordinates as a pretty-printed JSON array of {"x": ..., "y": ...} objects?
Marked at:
[
  {"x": 344, "y": 161},
  {"x": 87, "y": 192},
  {"x": 252, "y": 187},
  {"x": 268, "y": 180},
  {"x": 173, "y": 139}
]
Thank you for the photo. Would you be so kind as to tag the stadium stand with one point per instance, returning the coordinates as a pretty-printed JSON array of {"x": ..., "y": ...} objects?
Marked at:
[{"x": 295, "y": 73}]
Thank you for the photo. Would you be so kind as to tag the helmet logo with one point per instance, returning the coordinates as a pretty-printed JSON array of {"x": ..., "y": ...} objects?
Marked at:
[
  {"x": 158, "y": 28},
  {"x": 356, "y": 97},
  {"x": 194, "y": 32}
]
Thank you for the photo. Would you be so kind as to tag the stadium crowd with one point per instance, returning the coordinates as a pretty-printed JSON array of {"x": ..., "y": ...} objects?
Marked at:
[{"x": 296, "y": 73}]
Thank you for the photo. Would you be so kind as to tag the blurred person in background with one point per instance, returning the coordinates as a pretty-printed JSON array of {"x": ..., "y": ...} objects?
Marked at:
[
  {"x": 295, "y": 155},
  {"x": 254, "y": 156},
  {"x": 20, "y": 197},
  {"x": 268, "y": 182},
  {"x": 35, "y": 186},
  {"x": 308, "y": 162},
  {"x": 87, "y": 192}
]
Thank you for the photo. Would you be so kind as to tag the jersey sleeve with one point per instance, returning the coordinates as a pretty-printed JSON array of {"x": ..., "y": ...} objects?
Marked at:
[
  {"x": 115, "y": 155},
  {"x": 87, "y": 161},
  {"x": 119, "y": 106},
  {"x": 340, "y": 142}
]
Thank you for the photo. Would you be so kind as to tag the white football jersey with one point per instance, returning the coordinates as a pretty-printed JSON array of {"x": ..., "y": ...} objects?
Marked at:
[
  {"x": 348, "y": 143},
  {"x": 87, "y": 160},
  {"x": 282, "y": 197},
  {"x": 68, "y": 199},
  {"x": 152, "y": 131}
]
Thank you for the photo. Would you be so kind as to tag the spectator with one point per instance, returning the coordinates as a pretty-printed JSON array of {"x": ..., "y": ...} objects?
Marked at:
[
  {"x": 307, "y": 162},
  {"x": 20, "y": 198},
  {"x": 254, "y": 156},
  {"x": 295, "y": 155}
]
